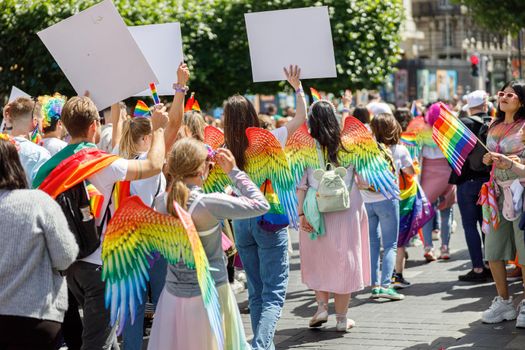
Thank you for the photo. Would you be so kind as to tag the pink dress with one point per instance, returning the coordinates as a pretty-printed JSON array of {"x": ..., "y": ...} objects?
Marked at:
[{"x": 339, "y": 261}]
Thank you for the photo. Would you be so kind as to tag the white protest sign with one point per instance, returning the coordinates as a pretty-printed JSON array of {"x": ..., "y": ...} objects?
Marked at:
[
  {"x": 16, "y": 93},
  {"x": 164, "y": 59},
  {"x": 97, "y": 53},
  {"x": 297, "y": 36}
]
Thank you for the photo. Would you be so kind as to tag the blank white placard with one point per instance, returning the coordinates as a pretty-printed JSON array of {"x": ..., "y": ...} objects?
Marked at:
[
  {"x": 297, "y": 36},
  {"x": 97, "y": 53},
  {"x": 16, "y": 93},
  {"x": 164, "y": 59}
]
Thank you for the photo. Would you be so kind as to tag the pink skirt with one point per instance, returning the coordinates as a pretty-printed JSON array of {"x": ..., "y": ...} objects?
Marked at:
[
  {"x": 434, "y": 181},
  {"x": 183, "y": 324},
  {"x": 339, "y": 261}
]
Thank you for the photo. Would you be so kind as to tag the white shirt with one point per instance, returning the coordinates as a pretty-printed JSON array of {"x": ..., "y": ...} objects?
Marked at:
[
  {"x": 32, "y": 156},
  {"x": 402, "y": 159},
  {"x": 281, "y": 134},
  {"x": 432, "y": 153},
  {"x": 53, "y": 145},
  {"x": 150, "y": 188},
  {"x": 104, "y": 181}
]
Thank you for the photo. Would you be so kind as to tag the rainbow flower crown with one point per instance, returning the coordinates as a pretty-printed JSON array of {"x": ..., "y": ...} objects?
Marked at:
[{"x": 8, "y": 138}]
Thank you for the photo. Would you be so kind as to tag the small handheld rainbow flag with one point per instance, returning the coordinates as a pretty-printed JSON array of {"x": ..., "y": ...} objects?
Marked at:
[
  {"x": 455, "y": 140},
  {"x": 413, "y": 109},
  {"x": 141, "y": 110},
  {"x": 154, "y": 93},
  {"x": 316, "y": 96},
  {"x": 192, "y": 104},
  {"x": 35, "y": 136},
  {"x": 95, "y": 200}
]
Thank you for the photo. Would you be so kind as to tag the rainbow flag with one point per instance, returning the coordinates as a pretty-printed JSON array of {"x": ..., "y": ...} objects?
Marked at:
[
  {"x": 455, "y": 140},
  {"x": 413, "y": 109},
  {"x": 35, "y": 136},
  {"x": 154, "y": 93},
  {"x": 121, "y": 192},
  {"x": 141, "y": 110},
  {"x": 95, "y": 200},
  {"x": 275, "y": 218},
  {"x": 316, "y": 96}
]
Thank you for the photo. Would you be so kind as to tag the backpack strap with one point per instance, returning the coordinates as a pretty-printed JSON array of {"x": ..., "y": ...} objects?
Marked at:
[
  {"x": 107, "y": 213},
  {"x": 156, "y": 194}
]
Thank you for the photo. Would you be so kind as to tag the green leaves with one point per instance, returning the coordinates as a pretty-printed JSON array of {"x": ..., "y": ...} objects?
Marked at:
[{"x": 365, "y": 34}]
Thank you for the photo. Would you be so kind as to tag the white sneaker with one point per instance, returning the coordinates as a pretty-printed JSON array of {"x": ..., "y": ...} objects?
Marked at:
[
  {"x": 520, "y": 322},
  {"x": 344, "y": 325},
  {"x": 499, "y": 311},
  {"x": 240, "y": 275},
  {"x": 237, "y": 287}
]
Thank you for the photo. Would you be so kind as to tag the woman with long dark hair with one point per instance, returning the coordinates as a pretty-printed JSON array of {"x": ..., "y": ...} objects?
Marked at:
[
  {"x": 36, "y": 245},
  {"x": 264, "y": 255},
  {"x": 505, "y": 140},
  {"x": 338, "y": 261}
]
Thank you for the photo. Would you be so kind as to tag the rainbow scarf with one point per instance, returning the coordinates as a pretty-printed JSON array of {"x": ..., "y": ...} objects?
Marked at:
[
  {"x": 455, "y": 140},
  {"x": 75, "y": 169}
]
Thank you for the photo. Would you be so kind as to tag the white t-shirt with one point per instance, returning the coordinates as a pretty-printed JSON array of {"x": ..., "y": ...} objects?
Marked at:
[
  {"x": 53, "y": 145},
  {"x": 32, "y": 156},
  {"x": 104, "y": 181},
  {"x": 281, "y": 134},
  {"x": 402, "y": 159},
  {"x": 150, "y": 188},
  {"x": 432, "y": 153}
]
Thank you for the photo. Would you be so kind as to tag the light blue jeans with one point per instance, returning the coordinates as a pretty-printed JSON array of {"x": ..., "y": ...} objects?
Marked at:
[
  {"x": 133, "y": 333},
  {"x": 445, "y": 224},
  {"x": 264, "y": 256},
  {"x": 386, "y": 215}
]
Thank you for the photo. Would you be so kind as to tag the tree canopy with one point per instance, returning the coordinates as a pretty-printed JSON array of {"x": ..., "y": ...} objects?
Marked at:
[
  {"x": 365, "y": 35},
  {"x": 503, "y": 16}
]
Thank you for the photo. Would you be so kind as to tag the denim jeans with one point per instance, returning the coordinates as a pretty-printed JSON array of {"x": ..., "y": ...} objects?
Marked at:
[
  {"x": 133, "y": 333},
  {"x": 386, "y": 214},
  {"x": 445, "y": 224},
  {"x": 264, "y": 256},
  {"x": 471, "y": 216}
]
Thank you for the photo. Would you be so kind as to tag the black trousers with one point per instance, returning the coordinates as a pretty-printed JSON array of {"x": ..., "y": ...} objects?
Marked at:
[{"x": 22, "y": 333}]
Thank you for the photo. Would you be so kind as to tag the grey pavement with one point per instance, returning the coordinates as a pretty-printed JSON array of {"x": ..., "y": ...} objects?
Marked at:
[{"x": 439, "y": 312}]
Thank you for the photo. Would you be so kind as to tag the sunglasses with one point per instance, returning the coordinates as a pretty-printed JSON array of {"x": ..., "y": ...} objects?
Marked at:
[{"x": 509, "y": 95}]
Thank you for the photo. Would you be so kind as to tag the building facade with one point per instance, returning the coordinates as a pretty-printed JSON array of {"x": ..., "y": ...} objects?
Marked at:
[{"x": 438, "y": 53}]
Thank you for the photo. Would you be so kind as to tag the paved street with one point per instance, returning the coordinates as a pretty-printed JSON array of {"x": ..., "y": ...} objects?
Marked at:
[{"x": 439, "y": 312}]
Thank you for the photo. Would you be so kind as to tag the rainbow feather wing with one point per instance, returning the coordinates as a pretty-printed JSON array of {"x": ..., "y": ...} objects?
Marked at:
[
  {"x": 209, "y": 293},
  {"x": 265, "y": 159},
  {"x": 364, "y": 154},
  {"x": 217, "y": 179},
  {"x": 301, "y": 152},
  {"x": 134, "y": 233}
]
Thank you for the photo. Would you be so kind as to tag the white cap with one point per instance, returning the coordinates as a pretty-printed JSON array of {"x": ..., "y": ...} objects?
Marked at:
[
  {"x": 376, "y": 108},
  {"x": 476, "y": 98}
]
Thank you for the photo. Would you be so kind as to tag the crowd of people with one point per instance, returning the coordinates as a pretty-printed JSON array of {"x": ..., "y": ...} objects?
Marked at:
[{"x": 48, "y": 274}]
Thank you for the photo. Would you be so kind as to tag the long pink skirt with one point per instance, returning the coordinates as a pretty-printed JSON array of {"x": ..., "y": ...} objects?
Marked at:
[
  {"x": 183, "y": 324},
  {"x": 434, "y": 181},
  {"x": 339, "y": 261}
]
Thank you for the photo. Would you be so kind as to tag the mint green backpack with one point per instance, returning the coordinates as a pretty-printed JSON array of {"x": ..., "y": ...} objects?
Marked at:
[{"x": 332, "y": 194}]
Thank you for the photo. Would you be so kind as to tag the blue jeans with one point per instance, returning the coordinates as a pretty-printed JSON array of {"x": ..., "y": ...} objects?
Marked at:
[
  {"x": 264, "y": 256},
  {"x": 386, "y": 214},
  {"x": 471, "y": 216},
  {"x": 133, "y": 333},
  {"x": 446, "y": 222}
]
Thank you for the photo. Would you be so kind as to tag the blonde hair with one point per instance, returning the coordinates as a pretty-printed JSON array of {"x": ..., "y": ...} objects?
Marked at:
[
  {"x": 195, "y": 122},
  {"x": 132, "y": 131},
  {"x": 184, "y": 160}
]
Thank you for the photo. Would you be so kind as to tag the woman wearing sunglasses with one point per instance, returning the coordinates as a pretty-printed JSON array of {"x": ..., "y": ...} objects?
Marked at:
[{"x": 505, "y": 142}]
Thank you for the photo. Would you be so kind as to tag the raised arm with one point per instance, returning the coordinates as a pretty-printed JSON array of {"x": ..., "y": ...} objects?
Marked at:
[
  {"x": 177, "y": 107},
  {"x": 152, "y": 165},
  {"x": 293, "y": 75},
  {"x": 118, "y": 116}
]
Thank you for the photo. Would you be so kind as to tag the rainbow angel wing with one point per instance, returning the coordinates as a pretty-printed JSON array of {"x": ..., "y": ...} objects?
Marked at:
[
  {"x": 134, "y": 233},
  {"x": 364, "y": 154},
  {"x": 217, "y": 179},
  {"x": 265, "y": 159},
  {"x": 301, "y": 152}
]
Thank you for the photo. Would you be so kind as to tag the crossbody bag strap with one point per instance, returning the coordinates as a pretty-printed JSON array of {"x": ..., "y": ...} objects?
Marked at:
[{"x": 107, "y": 213}]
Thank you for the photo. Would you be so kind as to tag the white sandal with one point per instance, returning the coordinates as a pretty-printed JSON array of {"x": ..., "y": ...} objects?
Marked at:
[
  {"x": 344, "y": 324},
  {"x": 320, "y": 317}
]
